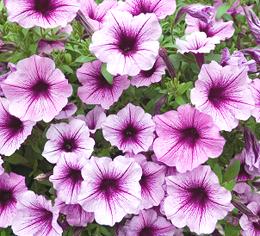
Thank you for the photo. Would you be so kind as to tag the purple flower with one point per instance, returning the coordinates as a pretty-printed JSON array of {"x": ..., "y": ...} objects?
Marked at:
[
  {"x": 67, "y": 178},
  {"x": 43, "y": 13},
  {"x": 131, "y": 129},
  {"x": 224, "y": 94},
  {"x": 95, "y": 13},
  {"x": 11, "y": 188},
  {"x": 48, "y": 46},
  {"x": 1, "y": 167},
  {"x": 128, "y": 44},
  {"x": 220, "y": 29},
  {"x": 197, "y": 200},
  {"x": 148, "y": 77},
  {"x": 75, "y": 214},
  {"x": 255, "y": 88},
  {"x": 253, "y": 23},
  {"x": 196, "y": 42},
  {"x": 111, "y": 189},
  {"x": 68, "y": 139},
  {"x": 148, "y": 223},
  {"x": 161, "y": 8},
  {"x": 36, "y": 90},
  {"x": 151, "y": 182},
  {"x": 253, "y": 52},
  {"x": 186, "y": 138},
  {"x": 67, "y": 111},
  {"x": 36, "y": 216},
  {"x": 199, "y": 12},
  {"x": 249, "y": 227},
  {"x": 243, "y": 174},
  {"x": 96, "y": 89},
  {"x": 95, "y": 118},
  {"x": 13, "y": 130}
]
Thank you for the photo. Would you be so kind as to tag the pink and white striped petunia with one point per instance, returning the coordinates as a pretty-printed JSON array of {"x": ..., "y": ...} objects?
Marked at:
[
  {"x": 36, "y": 90},
  {"x": 255, "y": 88},
  {"x": 131, "y": 129},
  {"x": 111, "y": 188},
  {"x": 67, "y": 111},
  {"x": 186, "y": 138}
]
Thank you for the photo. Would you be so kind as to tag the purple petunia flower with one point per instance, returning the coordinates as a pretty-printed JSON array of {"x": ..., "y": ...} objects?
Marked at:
[
  {"x": 95, "y": 13},
  {"x": 48, "y": 46},
  {"x": 43, "y": 13},
  {"x": 128, "y": 44},
  {"x": 12, "y": 186},
  {"x": 148, "y": 77},
  {"x": 196, "y": 42},
  {"x": 221, "y": 30},
  {"x": 111, "y": 189},
  {"x": 67, "y": 111},
  {"x": 13, "y": 130},
  {"x": 131, "y": 129},
  {"x": 67, "y": 178},
  {"x": 186, "y": 138},
  {"x": 68, "y": 139},
  {"x": 95, "y": 118},
  {"x": 75, "y": 214},
  {"x": 96, "y": 89},
  {"x": 36, "y": 216},
  {"x": 197, "y": 200},
  {"x": 249, "y": 227},
  {"x": 253, "y": 52},
  {"x": 224, "y": 94},
  {"x": 161, "y": 8},
  {"x": 149, "y": 223},
  {"x": 36, "y": 90},
  {"x": 153, "y": 176},
  {"x": 1, "y": 167},
  {"x": 255, "y": 88}
]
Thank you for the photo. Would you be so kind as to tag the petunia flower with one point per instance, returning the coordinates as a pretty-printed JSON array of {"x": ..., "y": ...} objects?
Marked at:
[
  {"x": 253, "y": 22},
  {"x": 43, "y": 13},
  {"x": 96, "y": 89},
  {"x": 221, "y": 30},
  {"x": 67, "y": 178},
  {"x": 249, "y": 227},
  {"x": 67, "y": 111},
  {"x": 152, "y": 180},
  {"x": 75, "y": 214},
  {"x": 149, "y": 223},
  {"x": 68, "y": 139},
  {"x": 253, "y": 52},
  {"x": 95, "y": 13},
  {"x": 1, "y": 167},
  {"x": 186, "y": 138},
  {"x": 131, "y": 129},
  {"x": 148, "y": 77},
  {"x": 12, "y": 186},
  {"x": 13, "y": 130},
  {"x": 36, "y": 216},
  {"x": 111, "y": 189},
  {"x": 95, "y": 118},
  {"x": 48, "y": 46},
  {"x": 224, "y": 94},
  {"x": 197, "y": 200},
  {"x": 255, "y": 88},
  {"x": 161, "y": 8},
  {"x": 128, "y": 44},
  {"x": 36, "y": 90}
]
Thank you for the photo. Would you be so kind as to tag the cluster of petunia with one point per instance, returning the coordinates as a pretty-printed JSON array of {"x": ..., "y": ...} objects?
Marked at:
[{"x": 160, "y": 182}]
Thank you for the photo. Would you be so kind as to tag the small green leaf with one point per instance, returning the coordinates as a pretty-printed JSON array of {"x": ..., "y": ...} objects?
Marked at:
[
  {"x": 222, "y": 10},
  {"x": 106, "y": 74},
  {"x": 231, "y": 230},
  {"x": 232, "y": 171},
  {"x": 229, "y": 185}
]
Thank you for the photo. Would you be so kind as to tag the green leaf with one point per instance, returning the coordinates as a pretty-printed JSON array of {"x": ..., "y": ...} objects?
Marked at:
[
  {"x": 231, "y": 230},
  {"x": 229, "y": 185},
  {"x": 217, "y": 170},
  {"x": 106, "y": 74},
  {"x": 222, "y": 10},
  {"x": 232, "y": 171}
]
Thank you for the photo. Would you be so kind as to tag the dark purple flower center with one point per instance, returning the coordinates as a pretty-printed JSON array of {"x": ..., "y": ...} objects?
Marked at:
[
  {"x": 103, "y": 83},
  {"x": 257, "y": 224},
  {"x": 206, "y": 30},
  {"x": 146, "y": 231},
  {"x": 43, "y": 6},
  {"x": 190, "y": 135},
  {"x": 108, "y": 186},
  {"x": 127, "y": 44},
  {"x": 69, "y": 145},
  {"x": 198, "y": 195},
  {"x": 5, "y": 196},
  {"x": 14, "y": 124},
  {"x": 75, "y": 175},
  {"x": 142, "y": 7},
  {"x": 148, "y": 73},
  {"x": 41, "y": 88},
  {"x": 130, "y": 132},
  {"x": 216, "y": 95},
  {"x": 243, "y": 175},
  {"x": 46, "y": 216}
]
